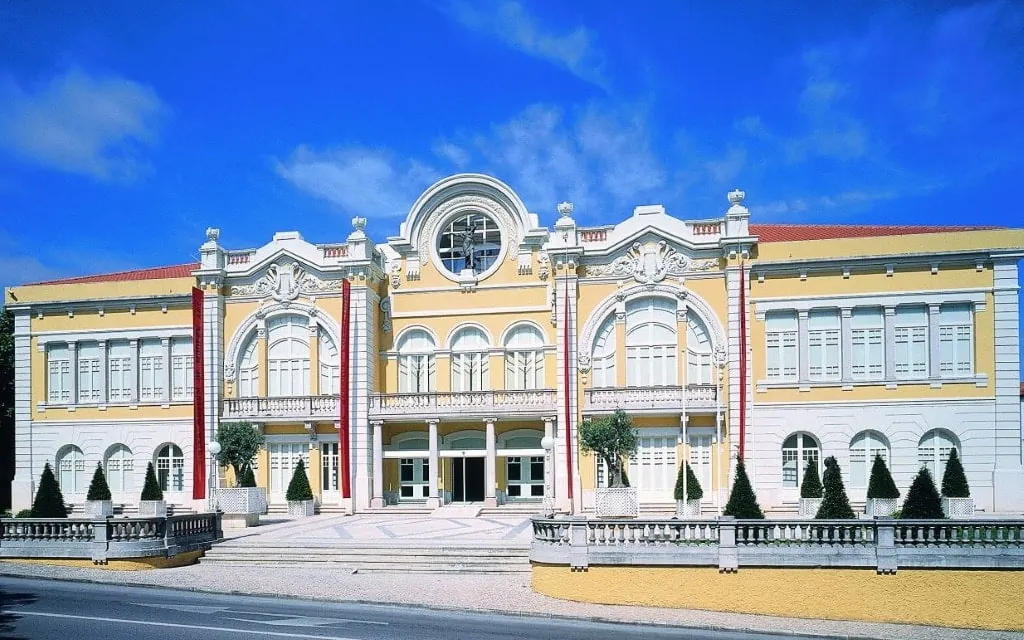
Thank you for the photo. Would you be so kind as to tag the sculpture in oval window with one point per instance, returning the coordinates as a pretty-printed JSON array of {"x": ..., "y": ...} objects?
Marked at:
[{"x": 470, "y": 241}]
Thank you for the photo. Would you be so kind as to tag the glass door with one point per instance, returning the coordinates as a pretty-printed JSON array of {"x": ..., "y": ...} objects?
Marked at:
[{"x": 328, "y": 466}]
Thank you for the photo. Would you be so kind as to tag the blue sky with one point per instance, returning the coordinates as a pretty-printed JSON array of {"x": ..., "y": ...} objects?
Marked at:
[{"x": 128, "y": 128}]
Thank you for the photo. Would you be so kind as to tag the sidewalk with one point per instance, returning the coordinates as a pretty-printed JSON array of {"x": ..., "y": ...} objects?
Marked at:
[{"x": 501, "y": 593}]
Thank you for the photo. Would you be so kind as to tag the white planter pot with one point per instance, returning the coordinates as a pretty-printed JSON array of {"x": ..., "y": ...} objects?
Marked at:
[
  {"x": 301, "y": 508},
  {"x": 881, "y": 506},
  {"x": 99, "y": 508},
  {"x": 617, "y": 502},
  {"x": 809, "y": 507},
  {"x": 688, "y": 508},
  {"x": 153, "y": 508},
  {"x": 242, "y": 500},
  {"x": 958, "y": 507}
]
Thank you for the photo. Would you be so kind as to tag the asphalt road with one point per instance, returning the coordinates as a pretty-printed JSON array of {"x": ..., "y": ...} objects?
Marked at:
[{"x": 50, "y": 609}]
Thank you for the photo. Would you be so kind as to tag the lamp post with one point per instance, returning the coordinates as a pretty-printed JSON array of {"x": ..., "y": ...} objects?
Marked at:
[
  {"x": 214, "y": 448},
  {"x": 548, "y": 444}
]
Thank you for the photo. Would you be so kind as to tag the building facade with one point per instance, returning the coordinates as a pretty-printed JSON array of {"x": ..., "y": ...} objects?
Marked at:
[{"x": 456, "y": 361}]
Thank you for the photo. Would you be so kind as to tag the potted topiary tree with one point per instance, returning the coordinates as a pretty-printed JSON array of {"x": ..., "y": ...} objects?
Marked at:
[
  {"x": 242, "y": 504},
  {"x": 97, "y": 502},
  {"x": 956, "y": 494},
  {"x": 151, "y": 502},
  {"x": 834, "y": 504},
  {"x": 810, "y": 491},
  {"x": 742, "y": 500},
  {"x": 49, "y": 503},
  {"x": 882, "y": 492},
  {"x": 299, "y": 495},
  {"x": 688, "y": 493},
  {"x": 612, "y": 439},
  {"x": 923, "y": 500}
]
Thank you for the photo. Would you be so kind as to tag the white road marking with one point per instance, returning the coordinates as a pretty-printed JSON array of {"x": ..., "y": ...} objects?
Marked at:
[
  {"x": 187, "y": 608},
  {"x": 278, "y": 634},
  {"x": 304, "y": 621}
]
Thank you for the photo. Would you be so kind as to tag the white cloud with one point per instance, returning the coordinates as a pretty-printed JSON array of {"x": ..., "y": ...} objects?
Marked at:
[
  {"x": 361, "y": 181},
  {"x": 91, "y": 125},
  {"x": 453, "y": 153},
  {"x": 844, "y": 200},
  {"x": 510, "y": 23}
]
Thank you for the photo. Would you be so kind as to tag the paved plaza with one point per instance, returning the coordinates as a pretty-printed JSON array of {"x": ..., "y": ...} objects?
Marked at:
[{"x": 387, "y": 529}]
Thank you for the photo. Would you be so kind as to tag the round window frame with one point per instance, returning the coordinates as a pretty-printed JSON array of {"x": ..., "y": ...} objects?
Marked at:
[{"x": 435, "y": 241}]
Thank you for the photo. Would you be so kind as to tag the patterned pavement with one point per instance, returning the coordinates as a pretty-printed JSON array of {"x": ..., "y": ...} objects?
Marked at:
[{"x": 398, "y": 529}]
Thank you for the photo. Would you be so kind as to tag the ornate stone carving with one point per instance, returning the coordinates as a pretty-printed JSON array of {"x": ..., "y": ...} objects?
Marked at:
[
  {"x": 543, "y": 266},
  {"x": 649, "y": 264},
  {"x": 396, "y": 275},
  {"x": 583, "y": 362},
  {"x": 285, "y": 282},
  {"x": 229, "y": 372},
  {"x": 509, "y": 232},
  {"x": 385, "y": 315}
]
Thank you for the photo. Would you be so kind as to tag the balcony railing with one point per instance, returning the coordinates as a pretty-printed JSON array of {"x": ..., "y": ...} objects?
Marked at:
[
  {"x": 299, "y": 407},
  {"x": 476, "y": 403},
  {"x": 640, "y": 399}
]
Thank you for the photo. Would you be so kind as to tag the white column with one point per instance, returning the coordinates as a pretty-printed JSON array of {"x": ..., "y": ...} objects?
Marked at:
[
  {"x": 933, "y": 343},
  {"x": 377, "y": 500},
  {"x": 133, "y": 348},
  {"x": 890, "y": 347},
  {"x": 73, "y": 373},
  {"x": 432, "y": 498},
  {"x": 1008, "y": 475},
  {"x": 846, "y": 345},
  {"x": 490, "y": 477},
  {"x": 102, "y": 344},
  {"x": 24, "y": 485}
]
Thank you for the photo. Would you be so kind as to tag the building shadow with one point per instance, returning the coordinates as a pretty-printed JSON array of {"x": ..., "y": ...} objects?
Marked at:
[{"x": 9, "y": 601}]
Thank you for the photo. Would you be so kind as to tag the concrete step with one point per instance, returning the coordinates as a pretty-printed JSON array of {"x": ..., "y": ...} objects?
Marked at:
[{"x": 382, "y": 568}]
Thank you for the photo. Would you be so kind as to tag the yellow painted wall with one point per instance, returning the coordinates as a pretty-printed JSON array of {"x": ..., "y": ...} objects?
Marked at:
[
  {"x": 892, "y": 245},
  {"x": 102, "y": 290},
  {"x": 970, "y": 599}
]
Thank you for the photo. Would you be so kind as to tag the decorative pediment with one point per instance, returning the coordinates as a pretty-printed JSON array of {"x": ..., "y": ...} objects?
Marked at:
[
  {"x": 284, "y": 281},
  {"x": 649, "y": 263}
]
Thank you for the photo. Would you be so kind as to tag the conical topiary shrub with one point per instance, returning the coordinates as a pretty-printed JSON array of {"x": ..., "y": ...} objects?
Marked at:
[
  {"x": 954, "y": 482},
  {"x": 922, "y": 499},
  {"x": 151, "y": 488},
  {"x": 834, "y": 504},
  {"x": 248, "y": 477},
  {"x": 811, "y": 485},
  {"x": 693, "y": 488},
  {"x": 299, "y": 495},
  {"x": 98, "y": 488},
  {"x": 742, "y": 500},
  {"x": 881, "y": 484},
  {"x": 49, "y": 502}
]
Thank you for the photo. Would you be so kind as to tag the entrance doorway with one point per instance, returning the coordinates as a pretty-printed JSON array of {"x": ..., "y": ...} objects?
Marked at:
[{"x": 467, "y": 479}]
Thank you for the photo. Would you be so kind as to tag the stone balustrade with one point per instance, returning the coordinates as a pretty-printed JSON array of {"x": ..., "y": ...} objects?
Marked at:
[
  {"x": 463, "y": 403},
  {"x": 883, "y": 543},
  {"x": 102, "y": 539},
  {"x": 641, "y": 399},
  {"x": 286, "y": 407}
]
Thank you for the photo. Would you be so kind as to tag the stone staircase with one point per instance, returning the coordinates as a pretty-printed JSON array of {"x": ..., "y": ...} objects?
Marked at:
[{"x": 389, "y": 557}]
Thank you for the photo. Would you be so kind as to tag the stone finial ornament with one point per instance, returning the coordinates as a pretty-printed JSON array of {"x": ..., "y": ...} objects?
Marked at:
[
  {"x": 358, "y": 223},
  {"x": 565, "y": 209},
  {"x": 736, "y": 196},
  {"x": 212, "y": 234}
]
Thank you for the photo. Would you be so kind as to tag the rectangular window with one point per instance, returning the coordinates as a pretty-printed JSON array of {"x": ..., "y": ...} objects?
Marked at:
[
  {"x": 119, "y": 367},
  {"x": 824, "y": 359},
  {"x": 89, "y": 380},
  {"x": 415, "y": 373},
  {"x": 868, "y": 343},
  {"x": 469, "y": 371},
  {"x": 781, "y": 345},
  {"x": 698, "y": 368},
  {"x": 152, "y": 375},
  {"x": 956, "y": 341},
  {"x": 911, "y": 329},
  {"x": 524, "y": 370},
  {"x": 182, "y": 369},
  {"x": 58, "y": 375},
  {"x": 651, "y": 366}
]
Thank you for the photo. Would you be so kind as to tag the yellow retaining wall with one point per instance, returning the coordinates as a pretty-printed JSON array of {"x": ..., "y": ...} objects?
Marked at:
[
  {"x": 949, "y": 598},
  {"x": 122, "y": 564}
]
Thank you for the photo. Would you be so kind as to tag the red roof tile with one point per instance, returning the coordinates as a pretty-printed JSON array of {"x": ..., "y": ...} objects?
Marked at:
[
  {"x": 795, "y": 232},
  {"x": 154, "y": 273}
]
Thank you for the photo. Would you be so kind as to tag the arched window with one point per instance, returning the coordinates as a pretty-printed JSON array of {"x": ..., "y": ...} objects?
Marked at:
[
  {"x": 651, "y": 342},
  {"x": 288, "y": 356},
  {"x": 698, "y": 351},
  {"x": 863, "y": 448},
  {"x": 71, "y": 470},
  {"x": 249, "y": 369},
  {"x": 933, "y": 452},
  {"x": 119, "y": 466},
  {"x": 603, "y": 361},
  {"x": 329, "y": 368},
  {"x": 524, "y": 358},
  {"x": 798, "y": 450},
  {"x": 170, "y": 468},
  {"x": 416, "y": 362},
  {"x": 469, "y": 360}
]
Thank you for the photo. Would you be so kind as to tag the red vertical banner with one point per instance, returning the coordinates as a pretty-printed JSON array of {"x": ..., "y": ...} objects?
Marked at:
[
  {"x": 198, "y": 399},
  {"x": 343, "y": 392},
  {"x": 743, "y": 358},
  {"x": 568, "y": 417}
]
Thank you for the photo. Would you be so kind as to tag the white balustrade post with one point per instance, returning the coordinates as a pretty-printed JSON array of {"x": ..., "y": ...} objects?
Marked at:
[
  {"x": 728, "y": 560},
  {"x": 579, "y": 554},
  {"x": 885, "y": 544}
]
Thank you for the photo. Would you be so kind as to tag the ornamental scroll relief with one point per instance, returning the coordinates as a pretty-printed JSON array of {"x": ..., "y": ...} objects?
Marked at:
[
  {"x": 285, "y": 282},
  {"x": 649, "y": 264}
]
